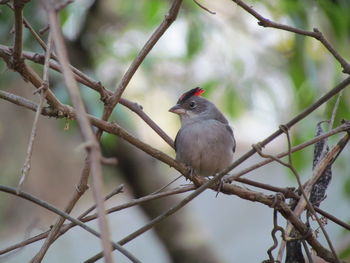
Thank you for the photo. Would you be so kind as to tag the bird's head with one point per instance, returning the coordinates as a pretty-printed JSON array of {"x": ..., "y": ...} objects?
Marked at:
[{"x": 191, "y": 107}]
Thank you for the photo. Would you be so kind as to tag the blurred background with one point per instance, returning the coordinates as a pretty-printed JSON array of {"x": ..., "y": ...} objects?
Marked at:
[{"x": 259, "y": 77}]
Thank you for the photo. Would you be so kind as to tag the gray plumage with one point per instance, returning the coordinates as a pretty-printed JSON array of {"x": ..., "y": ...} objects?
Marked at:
[{"x": 205, "y": 141}]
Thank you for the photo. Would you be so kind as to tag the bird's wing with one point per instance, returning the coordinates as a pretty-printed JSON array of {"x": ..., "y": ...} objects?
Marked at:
[
  {"x": 177, "y": 135},
  {"x": 228, "y": 127}
]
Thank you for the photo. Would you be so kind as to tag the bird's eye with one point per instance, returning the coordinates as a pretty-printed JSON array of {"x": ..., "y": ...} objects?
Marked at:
[{"x": 192, "y": 104}]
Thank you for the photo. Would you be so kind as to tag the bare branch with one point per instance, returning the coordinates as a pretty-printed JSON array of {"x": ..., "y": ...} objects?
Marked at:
[
  {"x": 314, "y": 34},
  {"x": 59, "y": 212},
  {"x": 104, "y": 93},
  {"x": 30, "y": 75},
  {"x": 23, "y": 102},
  {"x": 204, "y": 8},
  {"x": 66, "y": 227},
  {"x": 139, "y": 111},
  {"x": 26, "y": 166},
  {"x": 18, "y": 6},
  {"x": 158, "y": 33}
]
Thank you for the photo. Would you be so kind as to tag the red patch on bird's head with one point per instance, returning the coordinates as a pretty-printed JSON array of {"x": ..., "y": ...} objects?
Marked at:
[{"x": 193, "y": 92}]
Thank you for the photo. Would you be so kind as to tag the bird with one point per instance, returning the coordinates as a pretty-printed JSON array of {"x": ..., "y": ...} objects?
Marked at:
[{"x": 205, "y": 142}]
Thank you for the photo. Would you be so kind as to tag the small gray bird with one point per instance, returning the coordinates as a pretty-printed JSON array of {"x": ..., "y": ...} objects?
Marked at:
[{"x": 205, "y": 141}]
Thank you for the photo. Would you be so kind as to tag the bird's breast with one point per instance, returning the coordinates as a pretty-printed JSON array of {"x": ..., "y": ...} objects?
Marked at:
[{"x": 206, "y": 146}]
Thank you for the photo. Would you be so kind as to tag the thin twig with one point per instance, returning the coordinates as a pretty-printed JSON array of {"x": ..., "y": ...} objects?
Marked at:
[
  {"x": 203, "y": 7},
  {"x": 139, "y": 111},
  {"x": 96, "y": 85},
  {"x": 114, "y": 192},
  {"x": 314, "y": 34},
  {"x": 157, "y": 34},
  {"x": 165, "y": 186},
  {"x": 23, "y": 102},
  {"x": 64, "y": 228},
  {"x": 59, "y": 212},
  {"x": 26, "y": 166}
]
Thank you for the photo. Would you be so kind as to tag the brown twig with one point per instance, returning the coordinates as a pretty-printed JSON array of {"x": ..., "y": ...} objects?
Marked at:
[
  {"x": 276, "y": 228},
  {"x": 314, "y": 34},
  {"x": 104, "y": 93},
  {"x": 139, "y": 111},
  {"x": 203, "y": 7},
  {"x": 23, "y": 102},
  {"x": 26, "y": 166},
  {"x": 157, "y": 34},
  {"x": 18, "y": 6},
  {"x": 84, "y": 78}
]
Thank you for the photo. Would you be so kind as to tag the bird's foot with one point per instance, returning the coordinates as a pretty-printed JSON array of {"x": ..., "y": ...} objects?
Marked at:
[{"x": 219, "y": 186}]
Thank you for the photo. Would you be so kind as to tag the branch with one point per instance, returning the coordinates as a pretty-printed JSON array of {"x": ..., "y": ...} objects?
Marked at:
[
  {"x": 291, "y": 123},
  {"x": 26, "y": 166},
  {"x": 158, "y": 33},
  {"x": 94, "y": 153},
  {"x": 244, "y": 194},
  {"x": 304, "y": 195},
  {"x": 79, "y": 75},
  {"x": 314, "y": 34},
  {"x": 85, "y": 219},
  {"x": 30, "y": 75},
  {"x": 23, "y": 102},
  {"x": 341, "y": 128},
  {"x": 57, "y": 211},
  {"x": 104, "y": 93},
  {"x": 18, "y": 6},
  {"x": 139, "y": 111}
]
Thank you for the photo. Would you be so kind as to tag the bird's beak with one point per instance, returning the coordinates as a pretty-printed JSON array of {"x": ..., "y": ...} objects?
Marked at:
[{"x": 177, "y": 110}]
